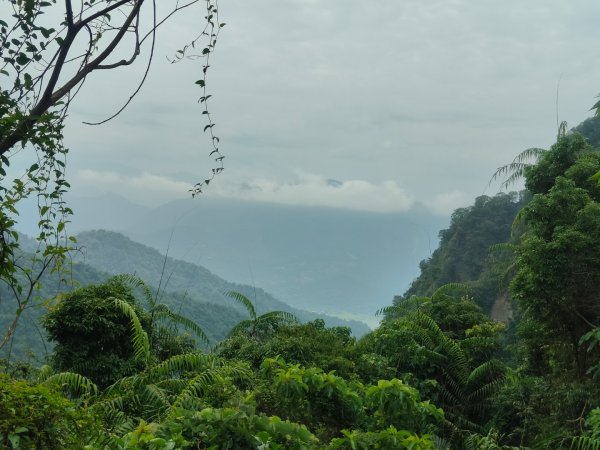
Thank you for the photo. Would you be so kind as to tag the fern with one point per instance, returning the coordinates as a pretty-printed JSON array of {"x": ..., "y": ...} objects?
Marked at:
[
  {"x": 449, "y": 287},
  {"x": 272, "y": 317},
  {"x": 162, "y": 311},
  {"x": 77, "y": 384},
  {"x": 141, "y": 346},
  {"x": 516, "y": 169},
  {"x": 585, "y": 443},
  {"x": 244, "y": 301},
  {"x": 177, "y": 365}
]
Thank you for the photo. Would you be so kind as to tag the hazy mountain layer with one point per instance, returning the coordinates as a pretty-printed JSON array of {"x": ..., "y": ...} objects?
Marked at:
[
  {"x": 322, "y": 259},
  {"x": 114, "y": 253}
]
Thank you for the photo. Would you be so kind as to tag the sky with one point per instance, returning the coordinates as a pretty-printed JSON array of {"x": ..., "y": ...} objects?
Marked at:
[{"x": 374, "y": 106}]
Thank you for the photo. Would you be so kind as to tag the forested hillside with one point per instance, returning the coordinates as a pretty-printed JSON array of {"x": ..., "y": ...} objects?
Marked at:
[
  {"x": 495, "y": 346},
  {"x": 189, "y": 289},
  {"x": 438, "y": 373},
  {"x": 114, "y": 253},
  {"x": 464, "y": 253}
]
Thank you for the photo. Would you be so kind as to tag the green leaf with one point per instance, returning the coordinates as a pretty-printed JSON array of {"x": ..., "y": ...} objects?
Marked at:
[{"x": 22, "y": 59}]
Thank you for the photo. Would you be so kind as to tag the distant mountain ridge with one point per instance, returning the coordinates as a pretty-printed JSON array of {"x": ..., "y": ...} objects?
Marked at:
[
  {"x": 115, "y": 253},
  {"x": 327, "y": 260}
]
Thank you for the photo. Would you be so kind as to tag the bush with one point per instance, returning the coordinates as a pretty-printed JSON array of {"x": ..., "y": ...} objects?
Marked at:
[{"x": 35, "y": 417}]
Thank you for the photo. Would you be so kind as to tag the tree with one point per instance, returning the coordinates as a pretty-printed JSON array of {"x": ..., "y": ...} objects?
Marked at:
[
  {"x": 46, "y": 55},
  {"x": 446, "y": 348},
  {"x": 558, "y": 273},
  {"x": 104, "y": 333}
]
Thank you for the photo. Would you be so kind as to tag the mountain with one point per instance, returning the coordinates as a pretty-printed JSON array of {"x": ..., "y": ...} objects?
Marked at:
[
  {"x": 463, "y": 255},
  {"x": 334, "y": 261},
  {"x": 114, "y": 253},
  {"x": 188, "y": 289}
]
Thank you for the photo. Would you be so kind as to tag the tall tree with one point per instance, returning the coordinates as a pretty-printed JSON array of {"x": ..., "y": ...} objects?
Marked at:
[{"x": 558, "y": 265}]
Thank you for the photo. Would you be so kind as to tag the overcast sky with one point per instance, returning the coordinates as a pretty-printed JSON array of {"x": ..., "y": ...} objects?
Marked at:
[{"x": 400, "y": 101}]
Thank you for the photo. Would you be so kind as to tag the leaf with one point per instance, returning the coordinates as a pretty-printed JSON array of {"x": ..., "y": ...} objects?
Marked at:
[
  {"x": 244, "y": 301},
  {"x": 139, "y": 337},
  {"x": 22, "y": 59}
]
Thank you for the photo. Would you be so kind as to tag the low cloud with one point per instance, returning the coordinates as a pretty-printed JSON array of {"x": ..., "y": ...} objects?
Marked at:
[
  {"x": 145, "y": 188},
  {"x": 315, "y": 190},
  {"x": 445, "y": 203},
  {"x": 301, "y": 189}
]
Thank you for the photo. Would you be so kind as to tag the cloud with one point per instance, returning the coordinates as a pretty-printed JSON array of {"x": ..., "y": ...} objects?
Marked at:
[
  {"x": 447, "y": 202},
  {"x": 146, "y": 188},
  {"x": 316, "y": 190}
]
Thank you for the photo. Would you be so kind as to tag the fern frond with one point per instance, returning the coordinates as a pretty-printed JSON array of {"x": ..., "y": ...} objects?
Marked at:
[
  {"x": 44, "y": 373},
  {"x": 448, "y": 287},
  {"x": 162, "y": 311},
  {"x": 196, "y": 386},
  {"x": 585, "y": 442},
  {"x": 502, "y": 247},
  {"x": 179, "y": 364},
  {"x": 487, "y": 370},
  {"x": 136, "y": 282},
  {"x": 403, "y": 307},
  {"x": 277, "y": 316},
  {"x": 244, "y": 301},
  {"x": 153, "y": 400},
  {"x": 74, "y": 382},
  {"x": 139, "y": 338},
  {"x": 241, "y": 326},
  {"x": 516, "y": 169}
]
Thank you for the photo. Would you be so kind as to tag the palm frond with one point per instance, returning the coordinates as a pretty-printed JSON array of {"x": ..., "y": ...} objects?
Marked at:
[
  {"x": 596, "y": 107},
  {"x": 244, "y": 301},
  {"x": 491, "y": 369},
  {"x": 562, "y": 130},
  {"x": 139, "y": 338},
  {"x": 485, "y": 391}
]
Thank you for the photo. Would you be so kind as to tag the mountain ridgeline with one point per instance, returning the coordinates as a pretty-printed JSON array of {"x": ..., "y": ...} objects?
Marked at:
[
  {"x": 189, "y": 289},
  {"x": 114, "y": 254}
]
